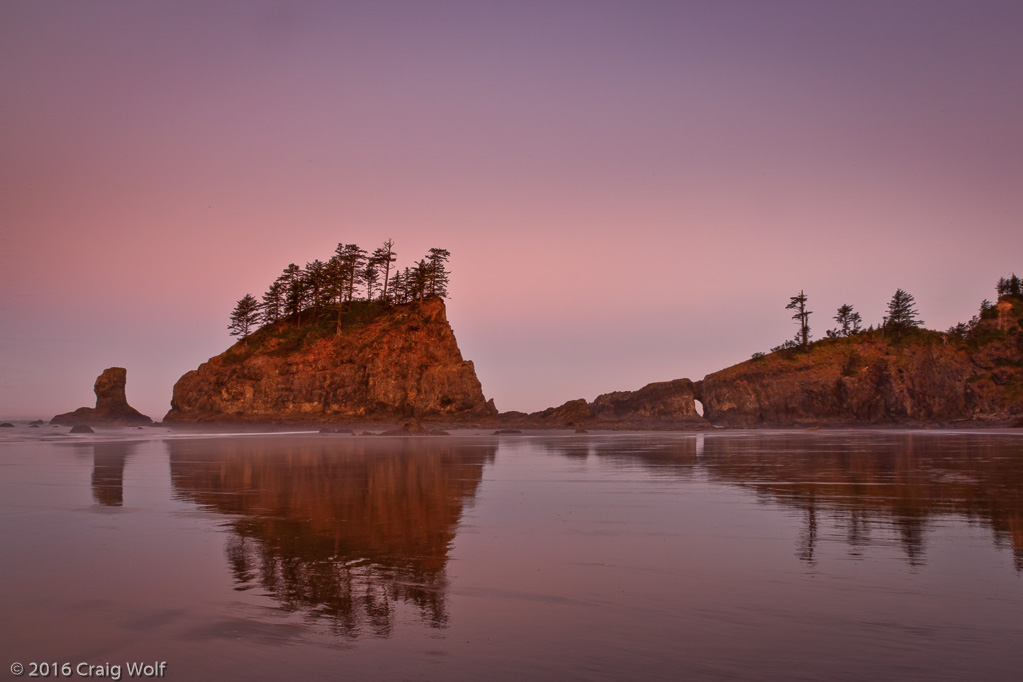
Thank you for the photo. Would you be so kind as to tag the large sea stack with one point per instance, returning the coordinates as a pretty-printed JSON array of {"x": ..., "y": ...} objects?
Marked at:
[
  {"x": 112, "y": 408},
  {"x": 374, "y": 363}
]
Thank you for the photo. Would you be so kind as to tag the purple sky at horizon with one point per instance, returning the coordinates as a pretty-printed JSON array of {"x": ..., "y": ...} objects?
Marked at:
[{"x": 631, "y": 191}]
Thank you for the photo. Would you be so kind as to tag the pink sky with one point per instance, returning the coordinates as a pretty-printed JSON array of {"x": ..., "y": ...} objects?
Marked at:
[{"x": 631, "y": 191}]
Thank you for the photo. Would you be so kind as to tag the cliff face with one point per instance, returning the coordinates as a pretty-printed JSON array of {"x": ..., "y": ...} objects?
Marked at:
[
  {"x": 384, "y": 364},
  {"x": 112, "y": 408},
  {"x": 663, "y": 400},
  {"x": 926, "y": 377}
]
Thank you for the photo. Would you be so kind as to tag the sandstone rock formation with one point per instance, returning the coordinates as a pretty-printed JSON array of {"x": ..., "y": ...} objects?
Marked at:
[
  {"x": 663, "y": 400},
  {"x": 667, "y": 404},
  {"x": 926, "y": 378},
  {"x": 389, "y": 365},
  {"x": 112, "y": 408}
]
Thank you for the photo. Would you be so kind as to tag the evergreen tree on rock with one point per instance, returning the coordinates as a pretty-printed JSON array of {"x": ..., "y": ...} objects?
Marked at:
[
  {"x": 902, "y": 313},
  {"x": 802, "y": 315},
  {"x": 244, "y": 317}
]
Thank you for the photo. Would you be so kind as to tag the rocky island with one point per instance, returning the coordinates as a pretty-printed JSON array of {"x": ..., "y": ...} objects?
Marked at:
[
  {"x": 112, "y": 408},
  {"x": 387, "y": 363}
]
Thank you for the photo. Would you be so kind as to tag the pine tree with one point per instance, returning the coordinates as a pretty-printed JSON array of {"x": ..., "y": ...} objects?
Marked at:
[
  {"x": 901, "y": 314},
  {"x": 273, "y": 302},
  {"x": 1009, "y": 285},
  {"x": 315, "y": 277},
  {"x": 848, "y": 320},
  {"x": 370, "y": 277},
  {"x": 417, "y": 280},
  {"x": 383, "y": 257},
  {"x": 244, "y": 317},
  {"x": 294, "y": 284},
  {"x": 437, "y": 273},
  {"x": 798, "y": 303},
  {"x": 351, "y": 261},
  {"x": 398, "y": 292}
]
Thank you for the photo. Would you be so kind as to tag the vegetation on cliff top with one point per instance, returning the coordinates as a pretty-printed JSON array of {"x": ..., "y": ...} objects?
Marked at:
[
  {"x": 902, "y": 322},
  {"x": 353, "y": 286}
]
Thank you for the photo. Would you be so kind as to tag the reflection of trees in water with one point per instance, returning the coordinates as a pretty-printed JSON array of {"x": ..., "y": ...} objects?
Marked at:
[
  {"x": 343, "y": 529},
  {"x": 677, "y": 458},
  {"x": 859, "y": 481},
  {"x": 899, "y": 480},
  {"x": 108, "y": 461}
]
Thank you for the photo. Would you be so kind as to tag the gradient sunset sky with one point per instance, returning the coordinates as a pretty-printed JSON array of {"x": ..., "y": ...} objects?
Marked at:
[{"x": 630, "y": 191}]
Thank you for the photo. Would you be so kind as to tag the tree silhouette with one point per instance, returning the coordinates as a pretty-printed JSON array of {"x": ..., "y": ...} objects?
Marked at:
[
  {"x": 798, "y": 303},
  {"x": 384, "y": 257},
  {"x": 437, "y": 273},
  {"x": 273, "y": 303},
  {"x": 294, "y": 285},
  {"x": 849, "y": 322},
  {"x": 351, "y": 262},
  {"x": 901, "y": 314},
  {"x": 1010, "y": 285},
  {"x": 335, "y": 284},
  {"x": 315, "y": 276},
  {"x": 244, "y": 317},
  {"x": 370, "y": 277}
]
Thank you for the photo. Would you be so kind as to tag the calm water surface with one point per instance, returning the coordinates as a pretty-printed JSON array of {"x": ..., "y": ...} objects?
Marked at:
[{"x": 720, "y": 556}]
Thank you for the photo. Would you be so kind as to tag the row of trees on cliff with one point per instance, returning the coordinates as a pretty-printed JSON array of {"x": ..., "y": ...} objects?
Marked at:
[
  {"x": 901, "y": 317},
  {"x": 331, "y": 286}
]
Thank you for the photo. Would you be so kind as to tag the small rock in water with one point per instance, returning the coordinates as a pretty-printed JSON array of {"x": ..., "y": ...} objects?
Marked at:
[
  {"x": 6, "y": 425},
  {"x": 81, "y": 428},
  {"x": 501, "y": 432}
]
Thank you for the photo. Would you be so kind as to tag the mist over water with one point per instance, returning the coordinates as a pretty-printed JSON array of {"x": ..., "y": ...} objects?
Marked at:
[{"x": 746, "y": 555}]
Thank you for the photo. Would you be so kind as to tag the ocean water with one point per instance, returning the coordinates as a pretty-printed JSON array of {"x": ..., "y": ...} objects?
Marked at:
[{"x": 769, "y": 555}]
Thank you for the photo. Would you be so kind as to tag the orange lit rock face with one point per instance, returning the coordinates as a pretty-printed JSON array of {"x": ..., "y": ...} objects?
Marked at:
[
  {"x": 399, "y": 363},
  {"x": 925, "y": 378},
  {"x": 112, "y": 408}
]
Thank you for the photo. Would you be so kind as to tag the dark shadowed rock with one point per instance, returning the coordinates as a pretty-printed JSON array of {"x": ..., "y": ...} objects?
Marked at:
[
  {"x": 112, "y": 408},
  {"x": 567, "y": 414},
  {"x": 665, "y": 404},
  {"x": 81, "y": 428},
  {"x": 413, "y": 428},
  {"x": 661, "y": 401},
  {"x": 6, "y": 425}
]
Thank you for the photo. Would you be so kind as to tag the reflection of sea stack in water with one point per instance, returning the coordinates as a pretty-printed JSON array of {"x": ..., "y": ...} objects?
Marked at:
[
  {"x": 348, "y": 530},
  {"x": 112, "y": 408},
  {"x": 108, "y": 472}
]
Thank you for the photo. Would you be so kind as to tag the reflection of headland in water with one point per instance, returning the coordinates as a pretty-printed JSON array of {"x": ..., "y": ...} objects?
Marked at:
[
  {"x": 860, "y": 482},
  {"x": 344, "y": 529}
]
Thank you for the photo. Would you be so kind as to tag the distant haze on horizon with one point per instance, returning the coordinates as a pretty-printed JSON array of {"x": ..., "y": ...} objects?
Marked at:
[{"x": 630, "y": 191}]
